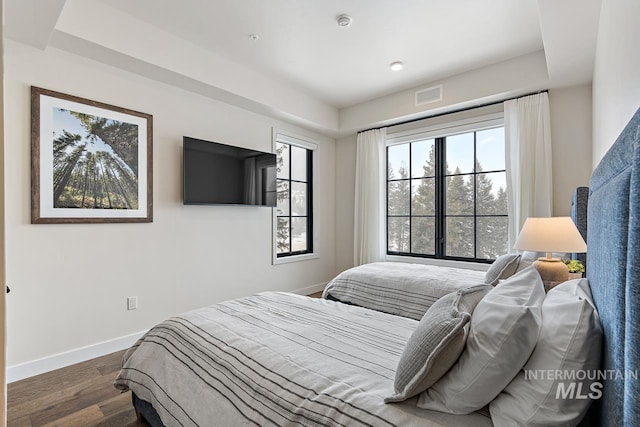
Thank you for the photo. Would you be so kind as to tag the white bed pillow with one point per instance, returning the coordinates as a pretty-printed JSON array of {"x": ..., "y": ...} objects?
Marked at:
[
  {"x": 504, "y": 330},
  {"x": 436, "y": 343},
  {"x": 569, "y": 341},
  {"x": 502, "y": 268}
]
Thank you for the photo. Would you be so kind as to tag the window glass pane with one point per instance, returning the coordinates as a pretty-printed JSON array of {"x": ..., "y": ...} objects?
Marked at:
[
  {"x": 423, "y": 158},
  {"x": 398, "y": 197},
  {"x": 459, "y": 150},
  {"x": 282, "y": 152},
  {"x": 282, "y": 236},
  {"x": 491, "y": 193},
  {"x": 459, "y": 237},
  {"x": 398, "y": 234},
  {"x": 423, "y": 196},
  {"x": 298, "y": 234},
  {"x": 492, "y": 236},
  {"x": 398, "y": 161},
  {"x": 459, "y": 195},
  {"x": 423, "y": 235},
  {"x": 490, "y": 149},
  {"x": 283, "y": 197},
  {"x": 298, "y": 199},
  {"x": 298, "y": 163}
]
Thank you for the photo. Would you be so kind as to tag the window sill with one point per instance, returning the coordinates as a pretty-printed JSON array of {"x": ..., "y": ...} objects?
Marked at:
[
  {"x": 439, "y": 262},
  {"x": 295, "y": 258}
]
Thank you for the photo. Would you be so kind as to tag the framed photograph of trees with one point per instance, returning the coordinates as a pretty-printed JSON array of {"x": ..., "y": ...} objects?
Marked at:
[{"x": 90, "y": 162}]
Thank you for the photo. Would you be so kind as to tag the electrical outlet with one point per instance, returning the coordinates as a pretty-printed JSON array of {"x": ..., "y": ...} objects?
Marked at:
[{"x": 132, "y": 303}]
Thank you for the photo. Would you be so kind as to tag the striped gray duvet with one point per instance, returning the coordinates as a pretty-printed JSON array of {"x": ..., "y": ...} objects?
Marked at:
[
  {"x": 399, "y": 288},
  {"x": 276, "y": 359}
]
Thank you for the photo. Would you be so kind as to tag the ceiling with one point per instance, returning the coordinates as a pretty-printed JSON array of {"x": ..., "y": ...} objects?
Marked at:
[
  {"x": 304, "y": 68},
  {"x": 300, "y": 41}
]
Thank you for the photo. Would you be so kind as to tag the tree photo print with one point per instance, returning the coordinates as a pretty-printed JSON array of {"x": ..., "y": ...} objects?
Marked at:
[
  {"x": 95, "y": 162},
  {"x": 91, "y": 162}
]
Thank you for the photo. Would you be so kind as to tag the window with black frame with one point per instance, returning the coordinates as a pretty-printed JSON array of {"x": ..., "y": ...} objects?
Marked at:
[
  {"x": 294, "y": 221},
  {"x": 447, "y": 196}
]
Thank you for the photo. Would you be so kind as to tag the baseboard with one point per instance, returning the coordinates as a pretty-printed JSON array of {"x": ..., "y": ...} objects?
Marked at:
[
  {"x": 61, "y": 360},
  {"x": 310, "y": 289}
]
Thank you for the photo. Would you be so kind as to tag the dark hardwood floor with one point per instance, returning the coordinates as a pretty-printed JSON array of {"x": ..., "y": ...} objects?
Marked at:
[{"x": 78, "y": 395}]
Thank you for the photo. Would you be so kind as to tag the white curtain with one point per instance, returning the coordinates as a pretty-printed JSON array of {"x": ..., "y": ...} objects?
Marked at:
[
  {"x": 528, "y": 157},
  {"x": 369, "y": 226}
]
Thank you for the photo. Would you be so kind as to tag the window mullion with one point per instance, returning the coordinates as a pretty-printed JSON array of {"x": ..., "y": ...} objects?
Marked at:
[
  {"x": 440, "y": 170},
  {"x": 290, "y": 201},
  {"x": 475, "y": 195},
  {"x": 309, "y": 201},
  {"x": 410, "y": 248}
]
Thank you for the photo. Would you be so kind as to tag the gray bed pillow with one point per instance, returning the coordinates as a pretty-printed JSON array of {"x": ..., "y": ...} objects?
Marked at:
[
  {"x": 502, "y": 268},
  {"x": 527, "y": 258},
  {"x": 436, "y": 343}
]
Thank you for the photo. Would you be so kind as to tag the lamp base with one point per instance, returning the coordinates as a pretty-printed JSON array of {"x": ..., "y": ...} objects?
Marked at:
[{"x": 552, "y": 269}]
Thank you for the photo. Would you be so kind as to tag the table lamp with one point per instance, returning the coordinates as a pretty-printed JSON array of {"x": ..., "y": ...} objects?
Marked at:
[{"x": 555, "y": 234}]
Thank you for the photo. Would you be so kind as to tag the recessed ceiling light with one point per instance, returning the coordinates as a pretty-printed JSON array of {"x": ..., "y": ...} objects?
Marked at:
[
  {"x": 344, "y": 21},
  {"x": 253, "y": 36},
  {"x": 396, "y": 66}
]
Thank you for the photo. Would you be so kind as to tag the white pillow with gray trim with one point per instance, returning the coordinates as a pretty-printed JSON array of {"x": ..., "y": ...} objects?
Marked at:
[
  {"x": 436, "y": 343},
  {"x": 502, "y": 268}
]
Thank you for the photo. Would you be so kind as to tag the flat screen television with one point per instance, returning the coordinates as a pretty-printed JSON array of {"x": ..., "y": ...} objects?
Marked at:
[{"x": 220, "y": 174}]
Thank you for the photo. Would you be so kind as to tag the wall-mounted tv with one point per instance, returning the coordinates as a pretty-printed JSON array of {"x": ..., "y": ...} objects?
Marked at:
[{"x": 220, "y": 174}]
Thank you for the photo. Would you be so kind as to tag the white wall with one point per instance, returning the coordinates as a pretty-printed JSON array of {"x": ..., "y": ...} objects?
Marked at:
[
  {"x": 345, "y": 196},
  {"x": 571, "y": 139},
  {"x": 571, "y": 143},
  {"x": 70, "y": 282},
  {"x": 492, "y": 83},
  {"x": 616, "y": 77}
]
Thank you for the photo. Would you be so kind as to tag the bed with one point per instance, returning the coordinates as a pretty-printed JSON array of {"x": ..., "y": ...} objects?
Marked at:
[{"x": 282, "y": 359}]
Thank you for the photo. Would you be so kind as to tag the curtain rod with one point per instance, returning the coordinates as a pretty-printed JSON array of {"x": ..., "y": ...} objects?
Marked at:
[{"x": 456, "y": 111}]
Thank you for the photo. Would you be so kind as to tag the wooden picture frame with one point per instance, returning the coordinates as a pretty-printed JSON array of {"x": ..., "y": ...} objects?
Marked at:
[{"x": 90, "y": 162}]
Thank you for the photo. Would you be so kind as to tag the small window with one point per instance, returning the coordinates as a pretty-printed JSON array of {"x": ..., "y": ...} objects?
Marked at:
[{"x": 294, "y": 214}]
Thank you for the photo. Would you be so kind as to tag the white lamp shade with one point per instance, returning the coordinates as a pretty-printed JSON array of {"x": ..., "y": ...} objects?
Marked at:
[{"x": 555, "y": 234}]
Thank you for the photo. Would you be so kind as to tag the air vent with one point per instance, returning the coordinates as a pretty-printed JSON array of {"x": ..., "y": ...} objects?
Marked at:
[{"x": 429, "y": 95}]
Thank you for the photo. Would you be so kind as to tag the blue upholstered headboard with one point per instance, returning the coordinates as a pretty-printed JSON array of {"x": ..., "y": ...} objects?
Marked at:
[
  {"x": 579, "y": 203},
  {"x": 613, "y": 242}
]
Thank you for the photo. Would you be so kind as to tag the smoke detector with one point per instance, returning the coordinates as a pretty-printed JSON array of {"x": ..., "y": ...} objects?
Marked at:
[{"x": 344, "y": 21}]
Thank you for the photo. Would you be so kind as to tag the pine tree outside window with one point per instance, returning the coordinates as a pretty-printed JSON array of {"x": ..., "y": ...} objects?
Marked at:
[{"x": 446, "y": 196}]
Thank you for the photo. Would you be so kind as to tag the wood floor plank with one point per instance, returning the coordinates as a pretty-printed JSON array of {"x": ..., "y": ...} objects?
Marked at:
[
  {"x": 27, "y": 389},
  {"x": 45, "y": 397},
  {"x": 19, "y": 422},
  {"x": 126, "y": 417},
  {"x": 110, "y": 364},
  {"x": 95, "y": 391},
  {"x": 115, "y": 404},
  {"x": 83, "y": 418},
  {"x": 52, "y": 396}
]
